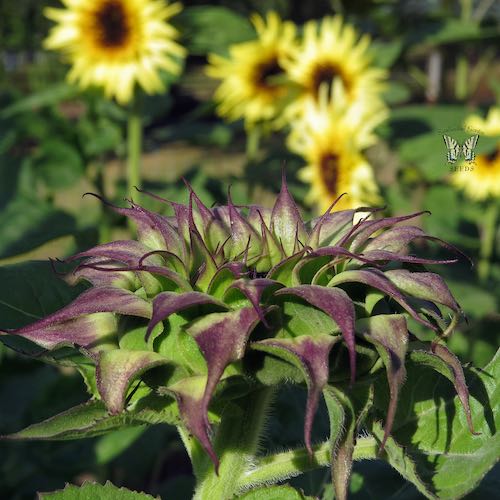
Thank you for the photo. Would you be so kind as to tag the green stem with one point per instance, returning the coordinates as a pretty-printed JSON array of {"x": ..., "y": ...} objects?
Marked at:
[
  {"x": 253, "y": 143},
  {"x": 462, "y": 69},
  {"x": 236, "y": 443},
  {"x": 134, "y": 150},
  {"x": 282, "y": 466},
  {"x": 461, "y": 76},
  {"x": 487, "y": 241}
]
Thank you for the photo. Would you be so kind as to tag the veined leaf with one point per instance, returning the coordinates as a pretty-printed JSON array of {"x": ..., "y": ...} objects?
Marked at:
[
  {"x": 400, "y": 460},
  {"x": 95, "y": 491},
  {"x": 86, "y": 420},
  {"x": 92, "y": 419},
  {"x": 432, "y": 427},
  {"x": 284, "y": 492}
]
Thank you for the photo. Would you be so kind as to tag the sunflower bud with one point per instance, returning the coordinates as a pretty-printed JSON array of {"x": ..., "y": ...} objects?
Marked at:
[{"x": 218, "y": 295}]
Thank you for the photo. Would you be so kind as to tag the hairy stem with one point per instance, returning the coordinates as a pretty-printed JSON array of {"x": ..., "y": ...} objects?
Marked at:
[
  {"x": 253, "y": 143},
  {"x": 462, "y": 67},
  {"x": 487, "y": 241},
  {"x": 236, "y": 443},
  {"x": 281, "y": 466}
]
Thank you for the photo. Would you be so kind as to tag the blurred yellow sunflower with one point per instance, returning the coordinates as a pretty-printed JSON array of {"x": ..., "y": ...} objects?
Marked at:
[
  {"x": 481, "y": 180},
  {"x": 254, "y": 83},
  {"x": 489, "y": 126},
  {"x": 331, "y": 50},
  {"x": 115, "y": 43},
  {"x": 329, "y": 136}
]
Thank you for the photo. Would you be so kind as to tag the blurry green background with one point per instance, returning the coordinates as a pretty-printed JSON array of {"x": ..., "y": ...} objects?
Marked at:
[{"x": 57, "y": 143}]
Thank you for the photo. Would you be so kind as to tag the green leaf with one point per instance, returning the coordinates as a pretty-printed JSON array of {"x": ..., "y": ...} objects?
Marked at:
[
  {"x": 442, "y": 222},
  {"x": 432, "y": 427},
  {"x": 30, "y": 291},
  {"x": 47, "y": 97},
  {"x": 86, "y": 420},
  {"x": 275, "y": 493},
  {"x": 98, "y": 136},
  {"x": 300, "y": 318},
  {"x": 92, "y": 419},
  {"x": 94, "y": 491},
  {"x": 385, "y": 53},
  {"x": 396, "y": 93},
  {"x": 399, "y": 459},
  {"x": 476, "y": 301},
  {"x": 449, "y": 30},
  {"x": 417, "y": 133},
  {"x": 28, "y": 223},
  {"x": 113, "y": 444},
  {"x": 58, "y": 164},
  {"x": 202, "y": 28}
]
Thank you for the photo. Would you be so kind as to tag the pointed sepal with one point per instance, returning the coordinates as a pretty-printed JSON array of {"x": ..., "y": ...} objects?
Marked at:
[
  {"x": 189, "y": 394},
  {"x": 337, "y": 304},
  {"x": 426, "y": 286},
  {"x": 377, "y": 279},
  {"x": 448, "y": 365},
  {"x": 310, "y": 355},
  {"x": 222, "y": 338},
  {"x": 459, "y": 381},
  {"x": 117, "y": 369},
  {"x": 81, "y": 322},
  {"x": 389, "y": 334},
  {"x": 253, "y": 290},
  {"x": 287, "y": 225},
  {"x": 167, "y": 303}
]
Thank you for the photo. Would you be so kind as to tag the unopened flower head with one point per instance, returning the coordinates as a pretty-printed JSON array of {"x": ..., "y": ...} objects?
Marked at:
[{"x": 219, "y": 296}]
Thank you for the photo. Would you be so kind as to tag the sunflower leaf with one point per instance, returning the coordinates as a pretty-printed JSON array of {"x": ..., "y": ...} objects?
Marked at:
[
  {"x": 282, "y": 492},
  {"x": 167, "y": 303},
  {"x": 431, "y": 426},
  {"x": 446, "y": 363},
  {"x": 107, "y": 491},
  {"x": 399, "y": 459}
]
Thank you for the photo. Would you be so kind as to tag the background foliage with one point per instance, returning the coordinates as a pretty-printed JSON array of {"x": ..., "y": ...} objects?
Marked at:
[{"x": 57, "y": 143}]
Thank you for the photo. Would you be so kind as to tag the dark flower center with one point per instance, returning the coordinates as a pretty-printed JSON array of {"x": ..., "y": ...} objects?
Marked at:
[
  {"x": 112, "y": 24},
  {"x": 491, "y": 157},
  {"x": 330, "y": 171},
  {"x": 325, "y": 74},
  {"x": 265, "y": 72}
]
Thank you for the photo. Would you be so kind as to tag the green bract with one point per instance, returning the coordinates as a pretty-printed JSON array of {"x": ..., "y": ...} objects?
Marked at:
[{"x": 211, "y": 305}]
